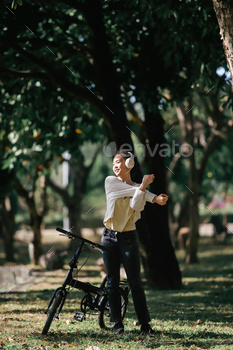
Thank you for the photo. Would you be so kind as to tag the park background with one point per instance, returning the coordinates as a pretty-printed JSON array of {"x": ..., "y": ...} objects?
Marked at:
[{"x": 80, "y": 79}]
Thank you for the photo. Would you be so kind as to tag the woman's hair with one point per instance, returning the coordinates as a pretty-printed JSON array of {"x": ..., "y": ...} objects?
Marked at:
[{"x": 124, "y": 154}]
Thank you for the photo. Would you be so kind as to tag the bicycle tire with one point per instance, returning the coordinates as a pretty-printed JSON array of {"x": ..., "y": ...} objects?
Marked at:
[
  {"x": 104, "y": 313},
  {"x": 51, "y": 313}
]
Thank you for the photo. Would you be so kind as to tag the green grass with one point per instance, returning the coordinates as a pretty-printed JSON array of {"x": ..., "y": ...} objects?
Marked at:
[{"x": 197, "y": 317}]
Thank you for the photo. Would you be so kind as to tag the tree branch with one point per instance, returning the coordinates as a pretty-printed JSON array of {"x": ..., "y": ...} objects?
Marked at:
[
  {"x": 219, "y": 133},
  {"x": 181, "y": 118},
  {"x": 23, "y": 74},
  {"x": 172, "y": 166},
  {"x": 25, "y": 195},
  {"x": 212, "y": 142},
  {"x": 83, "y": 94},
  {"x": 88, "y": 169},
  {"x": 61, "y": 191}
]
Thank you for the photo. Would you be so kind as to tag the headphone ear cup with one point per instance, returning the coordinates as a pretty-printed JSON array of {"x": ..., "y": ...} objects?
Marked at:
[{"x": 129, "y": 163}]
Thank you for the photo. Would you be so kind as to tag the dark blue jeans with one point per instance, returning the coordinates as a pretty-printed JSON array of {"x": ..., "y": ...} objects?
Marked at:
[{"x": 123, "y": 247}]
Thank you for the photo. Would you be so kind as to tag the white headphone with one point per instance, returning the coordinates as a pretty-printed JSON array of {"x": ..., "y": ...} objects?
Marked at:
[{"x": 129, "y": 162}]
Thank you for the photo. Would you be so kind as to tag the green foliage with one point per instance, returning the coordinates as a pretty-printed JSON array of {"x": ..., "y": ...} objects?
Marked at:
[
  {"x": 162, "y": 52},
  {"x": 164, "y": 46}
]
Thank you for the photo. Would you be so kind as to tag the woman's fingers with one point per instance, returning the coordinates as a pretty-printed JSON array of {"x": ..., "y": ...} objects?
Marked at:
[
  {"x": 149, "y": 178},
  {"x": 164, "y": 198}
]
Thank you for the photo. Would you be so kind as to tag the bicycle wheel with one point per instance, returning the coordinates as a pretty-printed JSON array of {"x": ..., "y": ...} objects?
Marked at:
[
  {"x": 51, "y": 313},
  {"x": 104, "y": 313}
]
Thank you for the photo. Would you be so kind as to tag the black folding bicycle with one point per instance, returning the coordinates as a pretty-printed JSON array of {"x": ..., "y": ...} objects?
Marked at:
[{"x": 95, "y": 298}]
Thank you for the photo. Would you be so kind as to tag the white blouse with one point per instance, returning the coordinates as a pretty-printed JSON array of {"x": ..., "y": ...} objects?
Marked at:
[{"x": 124, "y": 204}]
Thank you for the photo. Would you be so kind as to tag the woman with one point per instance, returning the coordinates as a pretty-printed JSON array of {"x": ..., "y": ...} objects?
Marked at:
[{"x": 125, "y": 200}]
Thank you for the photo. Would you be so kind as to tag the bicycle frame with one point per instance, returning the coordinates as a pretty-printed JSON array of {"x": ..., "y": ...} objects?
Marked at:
[
  {"x": 70, "y": 281},
  {"x": 95, "y": 298}
]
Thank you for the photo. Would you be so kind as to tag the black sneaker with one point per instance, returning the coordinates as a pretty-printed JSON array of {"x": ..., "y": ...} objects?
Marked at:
[
  {"x": 146, "y": 329},
  {"x": 118, "y": 328}
]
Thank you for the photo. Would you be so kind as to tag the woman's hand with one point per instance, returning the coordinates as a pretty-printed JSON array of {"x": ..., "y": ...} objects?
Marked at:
[
  {"x": 147, "y": 180},
  {"x": 161, "y": 199}
]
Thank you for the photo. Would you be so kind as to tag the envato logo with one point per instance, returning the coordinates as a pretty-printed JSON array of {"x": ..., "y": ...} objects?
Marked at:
[{"x": 163, "y": 149}]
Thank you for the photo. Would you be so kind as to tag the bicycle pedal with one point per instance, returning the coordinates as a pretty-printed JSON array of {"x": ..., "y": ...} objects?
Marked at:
[{"x": 79, "y": 316}]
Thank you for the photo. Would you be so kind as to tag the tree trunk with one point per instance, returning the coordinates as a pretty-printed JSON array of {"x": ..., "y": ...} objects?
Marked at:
[
  {"x": 224, "y": 14},
  {"x": 35, "y": 248},
  {"x": 183, "y": 218},
  {"x": 73, "y": 203},
  {"x": 115, "y": 121},
  {"x": 8, "y": 225},
  {"x": 212, "y": 143},
  {"x": 157, "y": 253},
  {"x": 192, "y": 242}
]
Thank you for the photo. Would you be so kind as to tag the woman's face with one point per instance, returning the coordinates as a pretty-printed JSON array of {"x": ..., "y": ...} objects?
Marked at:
[{"x": 118, "y": 165}]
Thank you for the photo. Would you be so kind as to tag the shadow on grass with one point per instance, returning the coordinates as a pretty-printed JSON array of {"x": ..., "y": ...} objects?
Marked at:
[
  {"x": 195, "y": 302},
  {"x": 78, "y": 337}
]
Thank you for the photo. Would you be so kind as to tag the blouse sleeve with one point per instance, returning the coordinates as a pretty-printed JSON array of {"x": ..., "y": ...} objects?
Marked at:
[
  {"x": 117, "y": 189},
  {"x": 149, "y": 196},
  {"x": 137, "y": 202}
]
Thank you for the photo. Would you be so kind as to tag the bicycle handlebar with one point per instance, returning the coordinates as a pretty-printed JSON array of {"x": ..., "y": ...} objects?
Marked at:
[{"x": 70, "y": 235}]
